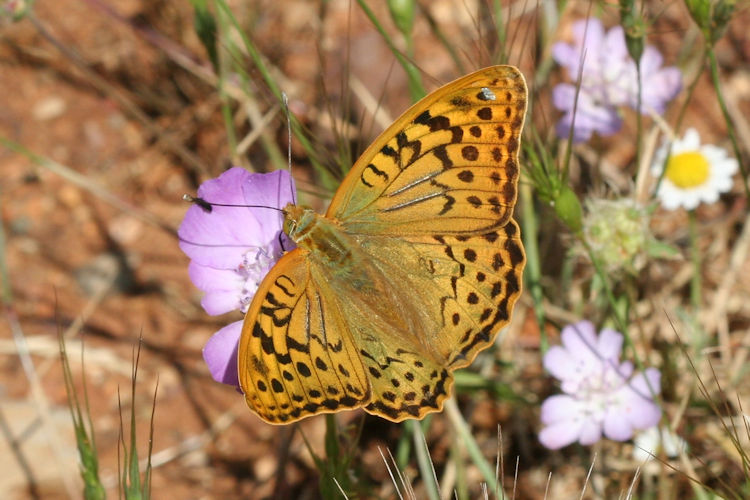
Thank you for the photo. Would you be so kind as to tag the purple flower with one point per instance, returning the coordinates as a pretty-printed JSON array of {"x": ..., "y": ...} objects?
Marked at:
[
  {"x": 590, "y": 115},
  {"x": 658, "y": 85},
  {"x": 601, "y": 394},
  {"x": 232, "y": 249},
  {"x": 608, "y": 80}
]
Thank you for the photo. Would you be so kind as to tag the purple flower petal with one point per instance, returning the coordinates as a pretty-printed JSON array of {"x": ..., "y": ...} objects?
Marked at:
[
  {"x": 589, "y": 115},
  {"x": 617, "y": 426},
  {"x": 218, "y": 238},
  {"x": 233, "y": 247},
  {"x": 609, "y": 344},
  {"x": 220, "y": 287},
  {"x": 637, "y": 399},
  {"x": 588, "y": 34},
  {"x": 559, "y": 363},
  {"x": 220, "y": 354},
  {"x": 559, "y": 408},
  {"x": 272, "y": 190},
  {"x": 580, "y": 340},
  {"x": 614, "y": 45},
  {"x": 560, "y": 434},
  {"x": 590, "y": 432}
]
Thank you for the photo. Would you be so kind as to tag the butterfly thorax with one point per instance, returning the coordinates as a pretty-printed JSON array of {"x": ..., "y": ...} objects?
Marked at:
[{"x": 317, "y": 234}]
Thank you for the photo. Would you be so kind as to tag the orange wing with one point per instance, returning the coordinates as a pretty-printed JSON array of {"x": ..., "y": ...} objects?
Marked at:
[
  {"x": 296, "y": 355},
  {"x": 449, "y": 164}
]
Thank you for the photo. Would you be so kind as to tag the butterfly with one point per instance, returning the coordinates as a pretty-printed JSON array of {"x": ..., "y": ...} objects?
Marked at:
[{"x": 412, "y": 271}]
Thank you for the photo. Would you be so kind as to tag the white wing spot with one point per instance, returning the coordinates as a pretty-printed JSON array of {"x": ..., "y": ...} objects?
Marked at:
[{"x": 488, "y": 94}]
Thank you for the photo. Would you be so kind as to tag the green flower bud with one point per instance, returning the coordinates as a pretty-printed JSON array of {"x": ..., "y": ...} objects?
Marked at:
[
  {"x": 402, "y": 12},
  {"x": 635, "y": 29},
  {"x": 722, "y": 14},
  {"x": 568, "y": 208},
  {"x": 700, "y": 11},
  {"x": 711, "y": 16}
]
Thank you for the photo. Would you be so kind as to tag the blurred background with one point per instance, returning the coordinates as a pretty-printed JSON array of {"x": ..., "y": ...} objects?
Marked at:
[{"x": 111, "y": 110}]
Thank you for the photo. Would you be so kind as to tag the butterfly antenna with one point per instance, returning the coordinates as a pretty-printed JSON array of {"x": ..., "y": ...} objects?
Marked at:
[
  {"x": 208, "y": 206},
  {"x": 281, "y": 241},
  {"x": 285, "y": 100}
]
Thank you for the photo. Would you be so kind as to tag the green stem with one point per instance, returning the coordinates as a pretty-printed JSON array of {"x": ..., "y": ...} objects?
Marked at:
[
  {"x": 616, "y": 310},
  {"x": 695, "y": 282},
  {"x": 269, "y": 80},
  {"x": 533, "y": 272},
  {"x": 448, "y": 45},
  {"x": 730, "y": 126},
  {"x": 426, "y": 469},
  {"x": 638, "y": 118},
  {"x": 416, "y": 90},
  {"x": 462, "y": 429}
]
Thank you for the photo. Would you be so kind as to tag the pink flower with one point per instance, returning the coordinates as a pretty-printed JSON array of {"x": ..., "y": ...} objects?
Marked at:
[
  {"x": 601, "y": 395},
  {"x": 609, "y": 79},
  {"x": 233, "y": 248}
]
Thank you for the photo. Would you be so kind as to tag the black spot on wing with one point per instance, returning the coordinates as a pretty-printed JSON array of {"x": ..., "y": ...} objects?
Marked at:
[
  {"x": 375, "y": 170},
  {"x": 460, "y": 101}
]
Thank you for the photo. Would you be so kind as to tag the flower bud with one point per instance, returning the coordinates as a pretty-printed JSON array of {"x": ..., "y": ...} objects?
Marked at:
[
  {"x": 635, "y": 29},
  {"x": 568, "y": 208},
  {"x": 711, "y": 16},
  {"x": 402, "y": 12}
]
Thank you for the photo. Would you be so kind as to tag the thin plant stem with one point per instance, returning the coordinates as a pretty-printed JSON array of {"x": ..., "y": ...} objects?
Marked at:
[
  {"x": 730, "y": 125},
  {"x": 638, "y": 118},
  {"x": 224, "y": 61},
  {"x": 616, "y": 310},
  {"x": 533, "y": 271},
  {"x": 416, "y": 89},
  {"x": 463, "y": 431},
  {"x": 426, "y": 469},
  {"x": 695, "y": 282}
]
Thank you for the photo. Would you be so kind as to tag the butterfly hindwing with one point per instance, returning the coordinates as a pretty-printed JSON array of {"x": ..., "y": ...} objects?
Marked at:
[{"x": 296, "y": 356}]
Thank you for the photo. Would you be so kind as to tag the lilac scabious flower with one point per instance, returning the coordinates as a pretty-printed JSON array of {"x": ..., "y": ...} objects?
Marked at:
[
  {"x": 232, "y": 248},
  {"x": 609, "y": 79},
  {"x": 601, "y": 394}
]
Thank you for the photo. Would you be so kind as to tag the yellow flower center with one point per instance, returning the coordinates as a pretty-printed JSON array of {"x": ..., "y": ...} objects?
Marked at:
[{"x": 688, "y": 170}]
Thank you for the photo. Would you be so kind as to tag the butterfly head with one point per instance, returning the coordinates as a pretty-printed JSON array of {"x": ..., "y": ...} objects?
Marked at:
[{"x": 298, "y": 220}]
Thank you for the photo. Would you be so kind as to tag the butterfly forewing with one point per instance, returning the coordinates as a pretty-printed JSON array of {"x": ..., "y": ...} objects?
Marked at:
[{"x": 449, "y": 163}]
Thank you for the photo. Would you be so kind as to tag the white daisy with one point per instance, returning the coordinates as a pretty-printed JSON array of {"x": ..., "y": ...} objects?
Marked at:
[{"x": 694, "y": 173}]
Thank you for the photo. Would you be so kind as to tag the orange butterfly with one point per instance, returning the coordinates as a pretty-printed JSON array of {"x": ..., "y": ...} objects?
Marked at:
[{"x": 412, "y": 271}]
